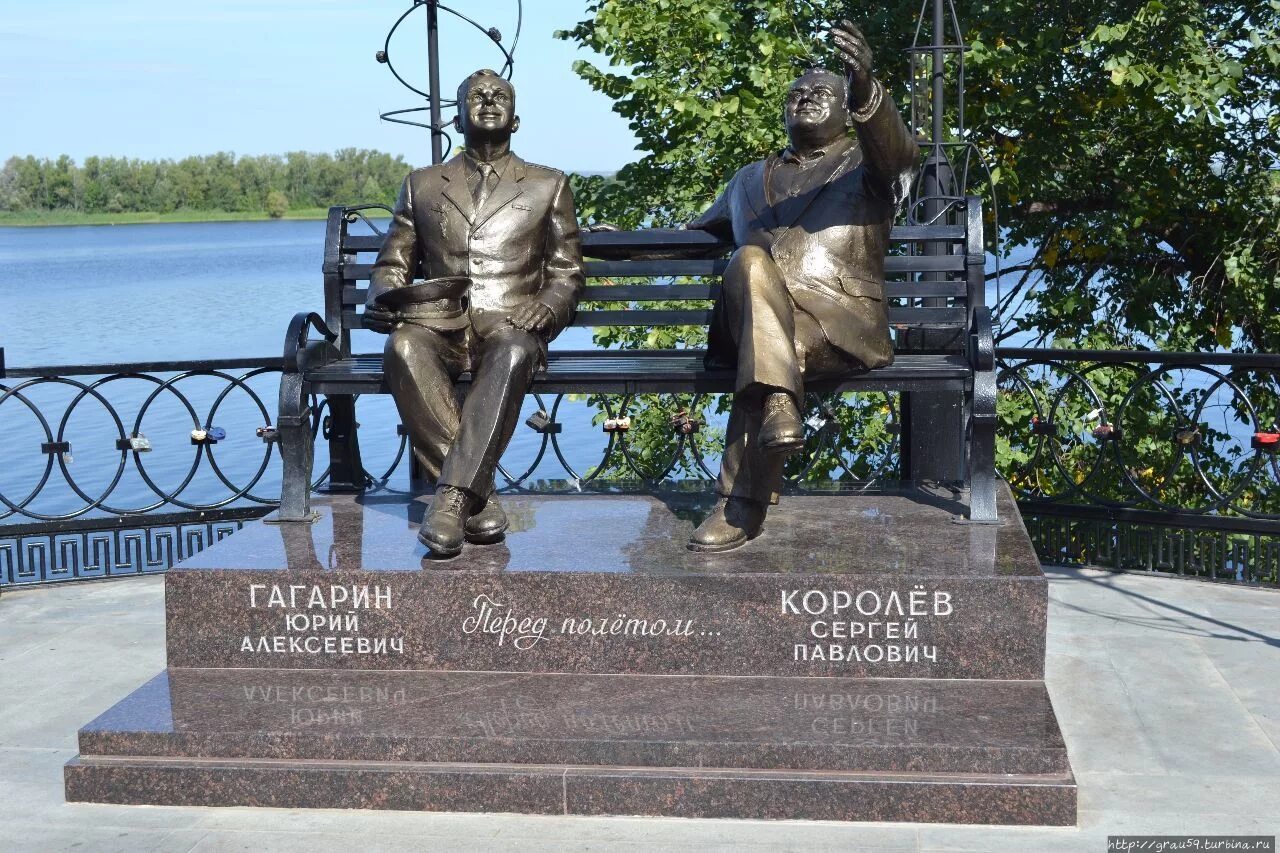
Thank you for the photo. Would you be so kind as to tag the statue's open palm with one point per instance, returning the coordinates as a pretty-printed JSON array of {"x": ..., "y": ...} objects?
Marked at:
[{"x": 858, "y": 60}]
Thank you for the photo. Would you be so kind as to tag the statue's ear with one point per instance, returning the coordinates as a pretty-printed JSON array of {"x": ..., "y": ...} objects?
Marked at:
[
  {"x": 515, "y": 124},
  {"x": 457, "y": 123}
]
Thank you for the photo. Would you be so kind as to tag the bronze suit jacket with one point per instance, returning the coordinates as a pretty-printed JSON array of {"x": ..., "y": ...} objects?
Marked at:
[
  {"x": 523, "y": 244},
  {"x": 829, "y": 240}
]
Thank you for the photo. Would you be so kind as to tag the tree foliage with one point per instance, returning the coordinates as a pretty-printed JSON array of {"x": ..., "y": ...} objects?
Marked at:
[
  {"x": 213, "y": 182},
  {"x": 1134, "y": 146}
]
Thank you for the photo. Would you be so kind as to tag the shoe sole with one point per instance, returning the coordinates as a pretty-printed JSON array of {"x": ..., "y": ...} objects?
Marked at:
[
  {"x": 485, "y": 538},
  {"x": 783, "y": 448},
  {"x": 439, "y": 551},
  {"x": 719, "y": 549}
]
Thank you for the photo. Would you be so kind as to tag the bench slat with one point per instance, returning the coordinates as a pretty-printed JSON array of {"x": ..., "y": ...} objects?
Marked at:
[
  {"x": 352, "y": 295},
  {"x": 650, "y": 269},
  {"x": 899, "y": 317},
  {"x": 895, "y": 264},
  {"x": 658, "y": 240},
  {"x": 651, "y": 371}
]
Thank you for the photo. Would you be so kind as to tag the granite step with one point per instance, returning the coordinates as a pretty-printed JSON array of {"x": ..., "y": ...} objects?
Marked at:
[
  {"x": 1047, "y": 799},
  {"x": 757, "y": 723}
]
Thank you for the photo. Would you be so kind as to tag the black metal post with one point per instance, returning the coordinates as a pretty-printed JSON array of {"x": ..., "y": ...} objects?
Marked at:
[
  {"x": 433, "y": 69},
  {"x": 417, "y": 475},
  {"x": 934, "y": 422}
]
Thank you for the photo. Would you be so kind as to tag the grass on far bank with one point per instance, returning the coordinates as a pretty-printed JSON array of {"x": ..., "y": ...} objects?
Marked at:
[{"x": 71, "y": 217}]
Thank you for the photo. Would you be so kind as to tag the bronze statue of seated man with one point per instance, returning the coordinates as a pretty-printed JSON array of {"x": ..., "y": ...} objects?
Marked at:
[
  {"x": 497, "y": 241},
  {"x": 803, "y": 293}
]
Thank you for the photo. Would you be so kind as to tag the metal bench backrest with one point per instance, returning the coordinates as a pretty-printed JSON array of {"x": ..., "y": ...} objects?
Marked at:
[{"x": 951, "y": 298}]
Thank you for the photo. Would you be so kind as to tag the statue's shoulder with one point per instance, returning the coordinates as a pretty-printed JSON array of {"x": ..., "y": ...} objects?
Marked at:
[
  {"x": 752, "y": 171},
  {"x": 540, "y": 172},
  {"x": 424, "y": 173}
]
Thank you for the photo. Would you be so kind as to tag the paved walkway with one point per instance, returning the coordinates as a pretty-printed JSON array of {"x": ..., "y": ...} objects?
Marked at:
[{"x": 1168, "y": 693}]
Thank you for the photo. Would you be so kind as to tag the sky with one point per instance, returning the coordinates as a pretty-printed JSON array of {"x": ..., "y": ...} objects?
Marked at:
[{"x": 152, "y": 79}]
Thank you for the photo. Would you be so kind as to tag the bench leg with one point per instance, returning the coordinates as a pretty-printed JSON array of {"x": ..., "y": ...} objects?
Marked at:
[
  {"x": 982, "y": 449},
  {"x": 346, "y": 471},
  {"x": 296, "y": 450}
]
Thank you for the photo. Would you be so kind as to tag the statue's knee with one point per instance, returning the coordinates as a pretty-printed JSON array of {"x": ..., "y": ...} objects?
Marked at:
[
  {"x": 400, "y": 346},
  {"x": 516, "y": 351},
  {"x": 746, "y": 265},
  {"x": 409, "y": 345}
]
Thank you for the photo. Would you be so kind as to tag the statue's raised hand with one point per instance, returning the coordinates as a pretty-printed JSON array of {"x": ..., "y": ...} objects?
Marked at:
[{"x": 858, "y": 60}]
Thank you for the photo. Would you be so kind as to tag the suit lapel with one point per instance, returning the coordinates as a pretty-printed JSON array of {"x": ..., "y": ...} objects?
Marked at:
[
  {"x": 757, "y": 190},
  {"x": 455, "y": 187},
  {"x": 507, "y": 191},
  {"x": 823, "y": 176}
]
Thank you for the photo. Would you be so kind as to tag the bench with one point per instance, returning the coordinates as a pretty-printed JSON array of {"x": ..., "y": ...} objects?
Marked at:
[{"x": 938, "y": 293}]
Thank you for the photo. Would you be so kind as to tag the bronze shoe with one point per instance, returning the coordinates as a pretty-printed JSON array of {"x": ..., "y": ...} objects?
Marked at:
[
  {"x": 442, "y": 527},
  {"x": 488, "y": 525},
  {"x": 730, "y": 525},
  {"x": 781, "y": 430}
]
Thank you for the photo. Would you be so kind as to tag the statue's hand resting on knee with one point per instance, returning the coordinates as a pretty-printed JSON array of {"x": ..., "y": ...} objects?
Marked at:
[{"x": 532, "y": 317}]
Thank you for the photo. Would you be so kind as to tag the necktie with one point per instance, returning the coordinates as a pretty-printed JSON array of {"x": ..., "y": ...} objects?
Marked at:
[{"x": 481, "y": 192}]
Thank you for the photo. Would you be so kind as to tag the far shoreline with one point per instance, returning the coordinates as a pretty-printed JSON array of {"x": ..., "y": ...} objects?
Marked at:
[{"x": 69, "y": 218}]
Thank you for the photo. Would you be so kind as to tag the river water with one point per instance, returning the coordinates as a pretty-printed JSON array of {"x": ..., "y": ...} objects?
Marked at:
[
  {"x": 110, "y": 294},
  {"x": 115, "y": 294}
]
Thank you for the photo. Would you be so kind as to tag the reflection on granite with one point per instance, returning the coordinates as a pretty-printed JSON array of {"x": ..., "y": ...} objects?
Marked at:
[
  {"x": 867, "y": 725},
  {"x": 540, "y": 789},
  {"x": 904, "y": 532},
  {"x": 765, "y": 748}
]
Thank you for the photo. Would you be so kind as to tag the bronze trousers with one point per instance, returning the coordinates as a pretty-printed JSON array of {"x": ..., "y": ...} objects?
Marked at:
[
  {"x": 460, "y": 445},
  {"x": 778, "y": 346}
]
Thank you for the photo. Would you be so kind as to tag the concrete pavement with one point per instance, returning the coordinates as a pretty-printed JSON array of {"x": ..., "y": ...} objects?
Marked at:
[{"x": 1168, "y": 693}]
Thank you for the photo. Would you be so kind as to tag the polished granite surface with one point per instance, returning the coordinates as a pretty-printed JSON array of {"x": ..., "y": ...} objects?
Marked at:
[
  {"x": 861, "y": 586},
  {"x": 868, "y": 658},
  {"x": 686, "y": 792},
  {"x": 907, "y": 532},
  {"x": 764, "y": 748},
  {"x": 869, "y": 725}
]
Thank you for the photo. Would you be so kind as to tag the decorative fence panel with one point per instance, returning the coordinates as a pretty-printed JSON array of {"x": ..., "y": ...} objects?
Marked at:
[{"x": 1159, "y": 462}]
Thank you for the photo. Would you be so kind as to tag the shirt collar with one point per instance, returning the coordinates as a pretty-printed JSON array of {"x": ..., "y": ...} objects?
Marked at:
[
  {"x": 789, "y": 155},
  {"x": 499, "y": 163}
]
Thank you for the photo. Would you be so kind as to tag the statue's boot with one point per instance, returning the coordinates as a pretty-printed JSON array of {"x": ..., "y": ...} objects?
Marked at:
[
  {"x": 730, "y": 525},
  {"x": 442, "y": 527},
  {"x": 781, "y": 430},
  {"x": 487, "y": 525}
]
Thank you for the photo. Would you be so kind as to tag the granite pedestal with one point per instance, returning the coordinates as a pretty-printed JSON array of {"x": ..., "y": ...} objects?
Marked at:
[{"x": 868, "y": 658}]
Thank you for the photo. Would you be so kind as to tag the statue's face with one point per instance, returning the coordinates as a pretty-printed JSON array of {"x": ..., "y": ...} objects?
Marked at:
[
  {"x": 817, "y": 106},
  {"x": 487, "y": 108}
]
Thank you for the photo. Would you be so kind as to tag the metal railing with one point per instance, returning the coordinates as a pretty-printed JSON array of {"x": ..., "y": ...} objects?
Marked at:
[{"x": 1153, "y": 461}]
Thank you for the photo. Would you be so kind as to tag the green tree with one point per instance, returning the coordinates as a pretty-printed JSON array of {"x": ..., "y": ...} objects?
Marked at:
[
  {"x": 277, "y": 204},
  {"x": 1133, "y": 148},
  {"x": 1134, "y": 144}
]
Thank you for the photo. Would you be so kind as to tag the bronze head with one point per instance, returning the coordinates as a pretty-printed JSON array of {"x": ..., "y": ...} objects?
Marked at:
[
  {"x": 486, "y": 108},
  {"x": 817, "y": 109}
]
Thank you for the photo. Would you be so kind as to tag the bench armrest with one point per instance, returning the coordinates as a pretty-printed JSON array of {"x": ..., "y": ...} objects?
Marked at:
[
  {"x": 982, "y": 347},
  {"x": 302, "y": 353}
]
